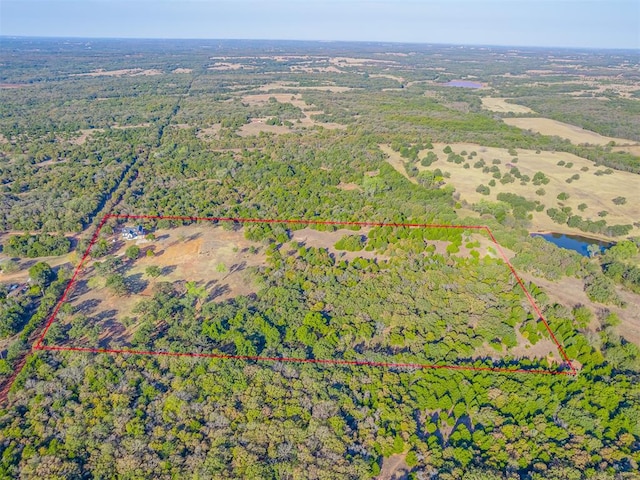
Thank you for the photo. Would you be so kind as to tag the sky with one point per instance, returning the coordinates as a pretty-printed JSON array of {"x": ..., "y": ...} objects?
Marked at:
[{"x": 545, "y": 23}]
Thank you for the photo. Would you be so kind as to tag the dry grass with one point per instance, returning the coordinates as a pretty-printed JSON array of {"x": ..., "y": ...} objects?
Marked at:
[
  {"x": 294, "y": 87},
  {"x": 501, "y": 105},
  {"x": 597, "y": 192},
  {"x": 315, "y": 69},
  {"x": 575, "y": 135},
  {"x": 386, "y": 75},
  {"x": 394, "y": 468},
  {"x": 193, "y": 253},
  {"x": 359, "y": 62},
  {"x": 349, "y": 187},
  {"x": 222, "y": 66},
  {"x": 206, "y": 133},
  {"x": 294, "y": 99},
  {"x": 182, "y": 70},
  {"x": 397, "y": 162},
  {"x": 258, "y": 125},
  {"x": 570, "y": 292}
]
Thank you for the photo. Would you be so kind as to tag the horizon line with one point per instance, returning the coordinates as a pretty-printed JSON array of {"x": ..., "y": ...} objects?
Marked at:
[{"x": 320, "y": 41}]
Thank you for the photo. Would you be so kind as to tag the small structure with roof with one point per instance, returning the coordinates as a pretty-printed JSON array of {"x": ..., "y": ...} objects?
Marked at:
[{"x": 132, "y": 233}]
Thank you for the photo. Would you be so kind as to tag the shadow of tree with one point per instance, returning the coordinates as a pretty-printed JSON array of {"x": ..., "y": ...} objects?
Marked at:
[
  {"x": 136, "y": 284},
  {"x": 166, "y": 270},
  {"x": 217, "y": 291},
  {"x": 88, "y": 306}
]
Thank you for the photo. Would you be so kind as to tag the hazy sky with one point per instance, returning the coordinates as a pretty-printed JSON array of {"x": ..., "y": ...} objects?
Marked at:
[{"x": 572, "y": 23}]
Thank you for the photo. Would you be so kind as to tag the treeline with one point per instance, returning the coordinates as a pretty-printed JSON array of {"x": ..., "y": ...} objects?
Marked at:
[{"x": 563, "y": 216}]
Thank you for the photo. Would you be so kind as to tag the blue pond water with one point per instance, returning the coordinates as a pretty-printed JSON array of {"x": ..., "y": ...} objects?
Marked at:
[
  {"x": 576, "y": 243},
  {"x": 463, "y": 84}
]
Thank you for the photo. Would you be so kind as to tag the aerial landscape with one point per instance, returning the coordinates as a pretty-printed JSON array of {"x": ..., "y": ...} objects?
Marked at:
[{"x": 288, "y": 259}]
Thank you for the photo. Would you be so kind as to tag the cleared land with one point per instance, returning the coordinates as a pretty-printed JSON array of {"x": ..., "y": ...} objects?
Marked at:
[
  {"x": 574, "y": 134},
  {"x": 570, "y": 292},
  {"x": 214, "y": 258},
  {"x": 596, "y": 191},
  {"x": 258, "y": 125},
  {"x": 501, "y": 105}
]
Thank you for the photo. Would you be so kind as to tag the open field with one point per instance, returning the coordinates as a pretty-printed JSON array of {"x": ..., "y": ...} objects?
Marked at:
[
  {"x": 397, "y": 162},
  {"x": 576, "y": 135},
  {"x": 501, "y": 105},
  {"x": 596, "y": 191},
  {"x": 216, "y": 259},
  {"x": 295, "y": 87},
  {"x": 258, "y": 124},
  {"x": 570, "y": 292}
]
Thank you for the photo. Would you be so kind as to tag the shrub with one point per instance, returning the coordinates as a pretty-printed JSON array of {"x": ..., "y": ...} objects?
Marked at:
[{"x": 483, "y": 189}]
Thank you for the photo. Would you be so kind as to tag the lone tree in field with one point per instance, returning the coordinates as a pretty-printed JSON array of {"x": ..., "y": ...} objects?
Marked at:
[
  {"x": 133, "y": 252},
  {"x": 117, "y": 284},
  {"x": 153, "y": 271}
]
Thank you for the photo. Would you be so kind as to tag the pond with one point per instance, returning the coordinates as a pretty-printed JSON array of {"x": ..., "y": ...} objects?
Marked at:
[
  {"x": 577, "y": 243},
  {"x": 463, "y": 84}
]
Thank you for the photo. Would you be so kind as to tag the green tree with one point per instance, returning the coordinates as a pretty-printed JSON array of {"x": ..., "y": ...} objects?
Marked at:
[
  {"x": 116, "y": 283},
  {"x": 41, "y": 275},
  {"x": 133, "y": 252},
  {"x": 153, "y": 271}
]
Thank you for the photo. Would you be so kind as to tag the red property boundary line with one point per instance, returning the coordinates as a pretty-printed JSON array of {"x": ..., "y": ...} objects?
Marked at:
[{"x": 39, "y": 345}]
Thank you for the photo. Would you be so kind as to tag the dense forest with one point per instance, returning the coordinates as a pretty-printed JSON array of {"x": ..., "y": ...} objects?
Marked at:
[{"x": 292, "y": 130}]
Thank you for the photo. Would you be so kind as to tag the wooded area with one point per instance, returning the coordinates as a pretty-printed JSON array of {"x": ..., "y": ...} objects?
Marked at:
[{"x": 170, "y": 128}]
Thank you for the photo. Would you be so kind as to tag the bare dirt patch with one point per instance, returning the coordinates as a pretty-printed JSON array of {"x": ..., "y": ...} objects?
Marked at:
[
  {"x": 501, "y": 105},
  {"x": 182, "y": 70},
  {"x": 349, "y": 187},
  {"x": 394, "y": 468},
  {"x": 574, "y": 134}
]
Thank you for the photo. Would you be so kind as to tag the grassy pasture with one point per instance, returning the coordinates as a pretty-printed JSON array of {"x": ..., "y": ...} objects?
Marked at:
[
  {"x": 596, "y": 191},
  {"x": 574, "y": 134}
]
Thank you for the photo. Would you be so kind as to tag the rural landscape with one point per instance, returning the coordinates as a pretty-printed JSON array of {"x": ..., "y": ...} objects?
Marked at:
[{"x": 291, "y": 259}]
